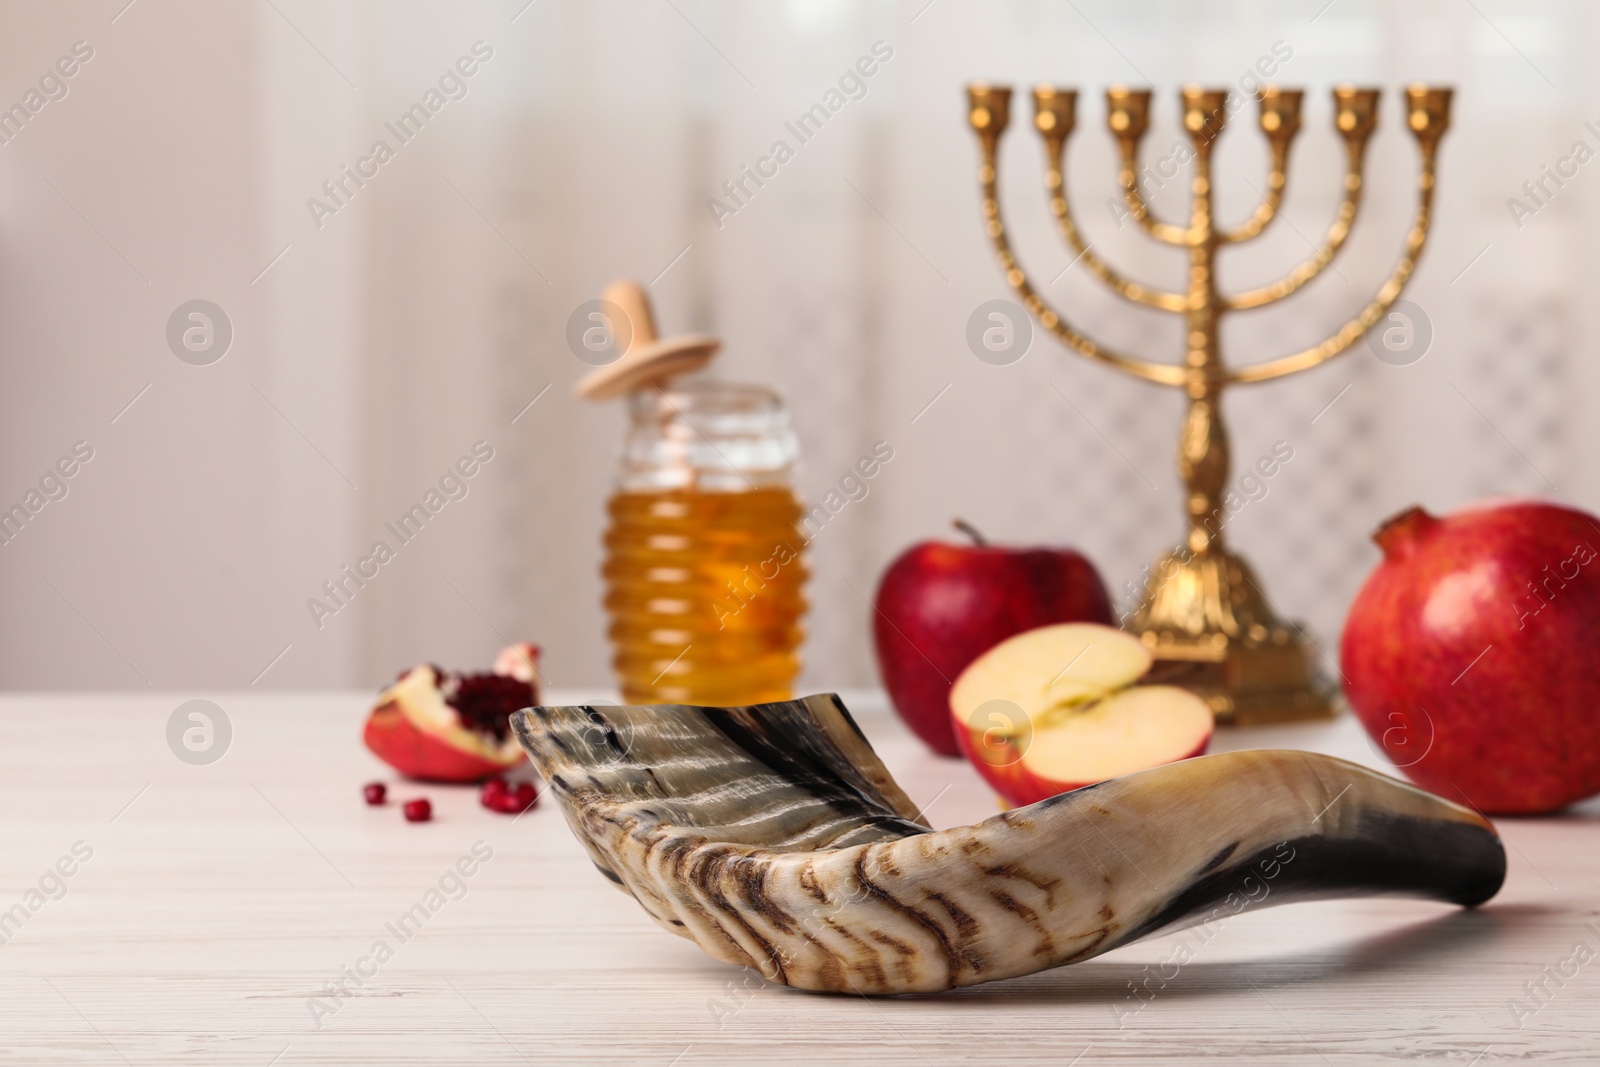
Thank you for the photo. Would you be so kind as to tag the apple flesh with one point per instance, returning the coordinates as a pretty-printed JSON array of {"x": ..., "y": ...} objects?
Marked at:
[
  {"x": 438, "y": 726},
  {"x": 939, "y": 606},
  {"x": 1057, "y": 708},
  {"x": 1469, "y": 654}
]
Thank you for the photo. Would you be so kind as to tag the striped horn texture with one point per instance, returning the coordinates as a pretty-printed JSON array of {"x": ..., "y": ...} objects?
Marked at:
[{"x": 773, "y": 837}]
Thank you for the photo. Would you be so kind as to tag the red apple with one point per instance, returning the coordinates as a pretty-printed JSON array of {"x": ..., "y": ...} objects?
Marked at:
[
  {"x": 439, "y": 726},
  {"x": 1058, "y": 708},
  {"x": 1470, "y": 654},
  {"x": 941, "y": 605}
]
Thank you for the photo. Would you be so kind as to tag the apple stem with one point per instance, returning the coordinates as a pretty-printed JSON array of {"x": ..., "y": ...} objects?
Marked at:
[
  {"x": 1400, "y": 534},
  {"x": 971, "y": 531}
]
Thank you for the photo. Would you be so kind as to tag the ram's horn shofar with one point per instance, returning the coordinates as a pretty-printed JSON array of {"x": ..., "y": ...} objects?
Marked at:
[{"x": 773, "y": 837}]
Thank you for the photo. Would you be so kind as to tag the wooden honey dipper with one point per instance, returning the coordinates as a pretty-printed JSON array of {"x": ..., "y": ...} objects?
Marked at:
[{"x": 648, "y": 360}]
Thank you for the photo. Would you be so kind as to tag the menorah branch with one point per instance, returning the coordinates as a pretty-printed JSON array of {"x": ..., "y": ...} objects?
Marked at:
[
  {"x": 1128, "y": 177},
  {"x": 1128, "y": 117},
  {"x": 1055, "y": 182},
  {"x": 1267, "y": 210},
  {"x": 1387, "y": 294},
  {"x": 1343, "y": 220},
  {"x": 1280, "y": 121},
  {"x": 989, "y": 112},
  {"x": 1049, "y": 317}
]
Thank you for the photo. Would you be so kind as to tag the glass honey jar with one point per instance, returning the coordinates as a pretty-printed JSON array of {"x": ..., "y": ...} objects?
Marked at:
[{"x": 704, "y": 571}]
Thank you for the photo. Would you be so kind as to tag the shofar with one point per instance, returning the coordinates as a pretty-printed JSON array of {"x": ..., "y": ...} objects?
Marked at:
[{"x": 773, "y": 837}]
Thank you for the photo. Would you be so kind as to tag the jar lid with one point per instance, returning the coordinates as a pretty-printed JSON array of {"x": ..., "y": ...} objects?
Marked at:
[{"x": 648, "y": 360}]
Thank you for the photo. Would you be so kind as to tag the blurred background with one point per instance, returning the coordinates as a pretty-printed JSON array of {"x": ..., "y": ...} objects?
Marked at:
[{"x": 378, "y": 337}]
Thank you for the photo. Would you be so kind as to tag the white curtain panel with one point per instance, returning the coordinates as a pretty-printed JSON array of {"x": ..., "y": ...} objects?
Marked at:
[{"x": 395, "y": 308}]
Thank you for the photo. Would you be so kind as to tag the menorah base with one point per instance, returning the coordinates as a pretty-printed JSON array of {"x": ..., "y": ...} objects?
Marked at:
[
  {"x": 1245, "y": 686},
  {"x": 1212, "y": 631}
]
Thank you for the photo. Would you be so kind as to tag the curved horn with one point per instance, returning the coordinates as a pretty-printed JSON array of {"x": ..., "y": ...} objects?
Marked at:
[{"x": 773, "y": 837}]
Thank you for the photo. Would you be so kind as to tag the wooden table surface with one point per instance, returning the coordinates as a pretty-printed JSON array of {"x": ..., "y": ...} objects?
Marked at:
[{"x": 210, "y": 909}]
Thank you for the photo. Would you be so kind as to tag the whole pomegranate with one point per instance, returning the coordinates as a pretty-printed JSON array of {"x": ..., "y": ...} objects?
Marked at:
[{"x": 1472, "y": 654}]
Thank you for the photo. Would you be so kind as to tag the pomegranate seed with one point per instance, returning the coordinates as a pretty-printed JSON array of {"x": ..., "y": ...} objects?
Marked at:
[
  {"x": 418, "y": 810},
  {"x": 375, "y": 792},
  {"x": 494, "y": 786},
  {"x": 510, "y": 801}
]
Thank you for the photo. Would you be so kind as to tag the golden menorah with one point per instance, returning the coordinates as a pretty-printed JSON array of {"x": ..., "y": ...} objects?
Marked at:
[{"x": 1202, "y": 606}]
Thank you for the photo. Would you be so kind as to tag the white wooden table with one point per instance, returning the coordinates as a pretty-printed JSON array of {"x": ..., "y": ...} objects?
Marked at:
[{"x": 219, "y": 900}]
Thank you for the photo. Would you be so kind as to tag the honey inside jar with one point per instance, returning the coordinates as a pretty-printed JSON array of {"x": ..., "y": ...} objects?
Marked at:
[{"x": 704, "y": 592}]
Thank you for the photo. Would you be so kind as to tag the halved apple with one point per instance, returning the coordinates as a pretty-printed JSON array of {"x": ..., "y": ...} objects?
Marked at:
[
  {"x": 1058, "y": 708},
  {"x": 440, "y": 726}
]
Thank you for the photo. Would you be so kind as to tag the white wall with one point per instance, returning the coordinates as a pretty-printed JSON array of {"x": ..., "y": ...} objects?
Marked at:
[{"x": 425, "y": 314}]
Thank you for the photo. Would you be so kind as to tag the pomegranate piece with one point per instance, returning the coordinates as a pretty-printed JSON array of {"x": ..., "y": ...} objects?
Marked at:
[
  {"x": 519, "y": 661},
  {"x": 442, "y": 726},
  {"x": 375, "y": 792},
  {"x": 418, "y": 810}
]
